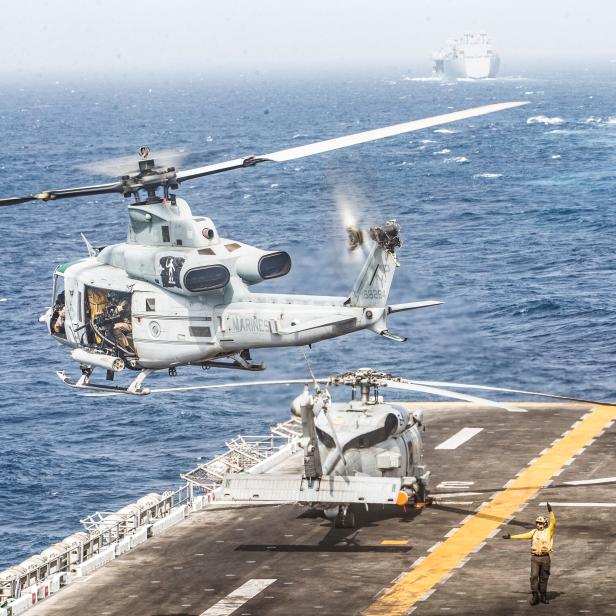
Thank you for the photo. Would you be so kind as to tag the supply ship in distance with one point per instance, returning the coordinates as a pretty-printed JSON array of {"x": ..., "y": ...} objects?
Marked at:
[{"x": 472, "y": 56}]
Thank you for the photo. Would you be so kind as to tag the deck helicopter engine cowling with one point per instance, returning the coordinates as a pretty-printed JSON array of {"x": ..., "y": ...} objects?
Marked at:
[{"x": 176, "y": 293}]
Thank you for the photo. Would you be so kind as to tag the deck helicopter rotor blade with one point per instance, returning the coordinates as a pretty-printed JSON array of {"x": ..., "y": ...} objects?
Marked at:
[
  {"x": 445, "y": 393},
  {"x": 337, "y": 143},
  {"x": 511, "y": 391},
  {"x": 171, "y": 390}
]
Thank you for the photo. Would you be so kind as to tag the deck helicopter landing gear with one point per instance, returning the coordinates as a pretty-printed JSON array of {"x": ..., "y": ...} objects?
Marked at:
[{"x": 342, "y": 516}]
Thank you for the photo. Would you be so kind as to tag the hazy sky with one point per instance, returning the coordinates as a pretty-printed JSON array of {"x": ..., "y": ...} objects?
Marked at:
[{"x": 47, "y": 37}]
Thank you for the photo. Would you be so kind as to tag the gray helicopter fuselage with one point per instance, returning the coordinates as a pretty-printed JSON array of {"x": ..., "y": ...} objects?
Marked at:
[{"x": 189, "y": 296}]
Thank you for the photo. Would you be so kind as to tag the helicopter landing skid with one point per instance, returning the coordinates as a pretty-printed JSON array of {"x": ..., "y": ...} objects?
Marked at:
[
  {"x": 238, "y": 363},
  {"x": 83, "y": 382}
]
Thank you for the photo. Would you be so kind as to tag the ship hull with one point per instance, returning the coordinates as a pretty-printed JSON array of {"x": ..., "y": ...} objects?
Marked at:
[{"x": 478, "y": 67}]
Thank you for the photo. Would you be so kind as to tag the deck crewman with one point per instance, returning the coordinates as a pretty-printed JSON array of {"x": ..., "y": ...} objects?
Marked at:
[{"x": 542, "y": 538}]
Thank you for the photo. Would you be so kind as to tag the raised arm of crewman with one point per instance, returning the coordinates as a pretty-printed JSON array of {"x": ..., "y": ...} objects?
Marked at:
[{"x": 529, "y": 534}]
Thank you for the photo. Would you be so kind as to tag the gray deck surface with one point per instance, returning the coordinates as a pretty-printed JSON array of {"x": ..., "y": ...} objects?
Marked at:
[{"x": 321, "y": 570}]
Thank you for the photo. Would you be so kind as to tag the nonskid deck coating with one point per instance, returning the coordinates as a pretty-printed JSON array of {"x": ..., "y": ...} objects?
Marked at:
[{"x": 195, "y": 566}]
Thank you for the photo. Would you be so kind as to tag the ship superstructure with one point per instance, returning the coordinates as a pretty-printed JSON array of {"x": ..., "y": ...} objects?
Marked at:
[{"x": 472, "y": 56}]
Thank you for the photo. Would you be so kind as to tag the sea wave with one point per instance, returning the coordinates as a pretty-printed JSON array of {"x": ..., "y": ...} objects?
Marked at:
[
  {"x": 489, "y": 176},
  {"x": 445, "y": 131},
  {"x": 443, "y": 151},
  {"x": 542, "y": 119}
]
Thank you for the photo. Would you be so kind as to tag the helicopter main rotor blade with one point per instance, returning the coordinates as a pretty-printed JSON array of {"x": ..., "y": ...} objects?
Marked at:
[
  {"x": 66, "y": 193},
  {"x": 445, "y": 393},
  {"x": 344, "y": 142},
  {"x": 511, "y": 391}
]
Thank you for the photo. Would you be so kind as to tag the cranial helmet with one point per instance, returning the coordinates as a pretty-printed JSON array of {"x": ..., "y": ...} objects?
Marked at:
[{"x": 540, "y": 520}]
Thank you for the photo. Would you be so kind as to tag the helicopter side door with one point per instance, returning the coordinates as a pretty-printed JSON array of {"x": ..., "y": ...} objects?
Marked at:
[
  {"x": 66, "y": 318},
  {"x": 170, "y": 330}
]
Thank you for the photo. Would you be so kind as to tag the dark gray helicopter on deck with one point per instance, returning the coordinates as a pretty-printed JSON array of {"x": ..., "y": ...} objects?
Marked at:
[
  {"x": 358, "y": 454},
  {"x": 176, "y": 293}
]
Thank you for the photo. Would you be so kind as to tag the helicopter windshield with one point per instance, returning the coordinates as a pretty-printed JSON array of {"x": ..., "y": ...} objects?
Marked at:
[{"x": 57, "y": 323}]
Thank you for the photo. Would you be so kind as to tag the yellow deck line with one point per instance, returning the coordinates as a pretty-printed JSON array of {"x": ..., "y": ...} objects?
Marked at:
[{"x": 414, "y": 584}]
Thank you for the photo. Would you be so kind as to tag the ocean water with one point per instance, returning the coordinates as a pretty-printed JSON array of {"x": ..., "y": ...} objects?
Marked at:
[{"x": 509, "y": 219}]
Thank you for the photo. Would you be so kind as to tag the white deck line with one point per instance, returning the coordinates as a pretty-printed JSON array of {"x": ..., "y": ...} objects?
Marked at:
[
  {"x": 578, "y": 504},
  {"x": 238, "y": 597},
  {"x": 459, "y": 438},
  {"x": 589, "y": 482}
]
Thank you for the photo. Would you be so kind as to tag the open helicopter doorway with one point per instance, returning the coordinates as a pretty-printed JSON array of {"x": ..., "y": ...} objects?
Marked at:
[{"x": 109, "y": 320}]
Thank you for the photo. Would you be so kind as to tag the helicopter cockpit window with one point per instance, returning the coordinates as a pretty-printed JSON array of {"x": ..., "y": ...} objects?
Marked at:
[
  {"x": 374, "y": 437},
  {"x": 108, "y": 320},
  {"x": 274, "y": 265},
  {"x": 58, "y": 315},
  {"x": 206, "y": 278},
  {"x": 150, "y": 304}
]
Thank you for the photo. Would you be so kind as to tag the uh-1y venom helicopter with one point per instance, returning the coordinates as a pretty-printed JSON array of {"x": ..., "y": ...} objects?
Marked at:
[{"x": 176, "y": 293}]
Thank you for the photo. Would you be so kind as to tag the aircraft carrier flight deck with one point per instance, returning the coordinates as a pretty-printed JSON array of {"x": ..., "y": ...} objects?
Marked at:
[{"x": 493, "y": 471}]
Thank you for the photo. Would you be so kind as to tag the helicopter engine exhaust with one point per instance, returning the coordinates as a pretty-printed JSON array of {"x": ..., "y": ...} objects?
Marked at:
[
  {"x": 259, "y": 265},
  {"x": 107, "y": 362}
]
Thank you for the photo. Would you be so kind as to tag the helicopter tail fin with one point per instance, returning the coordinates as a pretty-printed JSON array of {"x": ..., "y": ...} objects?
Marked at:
[{"x": 374, "y": 281}]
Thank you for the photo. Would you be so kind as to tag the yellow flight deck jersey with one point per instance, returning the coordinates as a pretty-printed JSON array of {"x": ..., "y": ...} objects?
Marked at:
[{"x": 541, "y": 540}]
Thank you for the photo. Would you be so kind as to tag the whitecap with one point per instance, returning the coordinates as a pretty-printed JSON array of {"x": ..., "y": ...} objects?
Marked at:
[
  {"x": 444, "y": 131},
  {"x": 542, "y": 119},
  {"x": 611, "y": 120},
  {"x": 299, "y": 136},
  {"x": 555, "y": 156},
  {"x": 489, "y": 176},
  {"x": 425, "y": 79},
  {"x": 209, "y": 138},
  {"x": 593, "y": 120},
  {"x": 443, "y": 151},
  {"x": 247, "y": 196},
  {"x": 274, "y": 185},
  {"x": 427, "y": 141},
  {"x": 3, "y": 299},
  {"x": 459, "y": 159}
]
